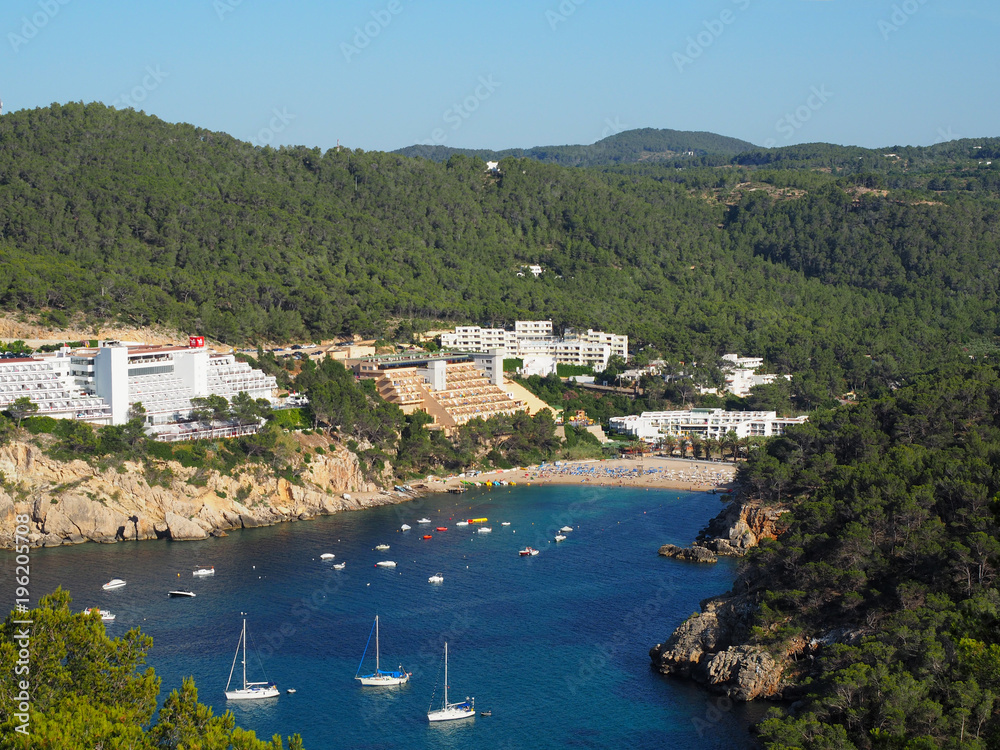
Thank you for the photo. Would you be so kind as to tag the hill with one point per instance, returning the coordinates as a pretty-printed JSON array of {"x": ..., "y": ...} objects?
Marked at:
[
  {"x": 850, "y": 277},
  {"x": 645, "y": 144}
]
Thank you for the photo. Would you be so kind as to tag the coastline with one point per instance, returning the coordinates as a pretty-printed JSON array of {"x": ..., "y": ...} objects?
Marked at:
[{"x": 651, "y": 472}]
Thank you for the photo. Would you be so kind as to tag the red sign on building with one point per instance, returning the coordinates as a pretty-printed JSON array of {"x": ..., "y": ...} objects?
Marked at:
[{"x": 196, "y": 342}]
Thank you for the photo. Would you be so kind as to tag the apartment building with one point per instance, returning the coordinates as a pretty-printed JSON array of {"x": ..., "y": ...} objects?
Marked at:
[
  {"x": 100, "y": 384},
  {"x": 532, "y": 339},
  {"x": 703, "y": 423}
]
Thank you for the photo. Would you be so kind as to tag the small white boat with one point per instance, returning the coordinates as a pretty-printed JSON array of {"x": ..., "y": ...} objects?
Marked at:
[
  {"x": 181, "y": 593},
  {"x": 566, "y": 528},
  {"x": 290, "y": 691},
  {"x": 463, "y": 710},
  {"x": 560, "y": 537},
  {"x": 386, "y": 564},
  {"x": 528, "y": 552},
  {"x": 404, "y": 527},
  {"x": 505, "y": 523},
  {"x": 204, "y": 571},
  {"x": 461, "y": 523},
  {"x": 105, "y": 615},
  {"x": 381, "y": 547},
  {"x": 436, "y": 578},
  {"x": 327, "y": 556},
  {"x": 339, "y": 566},
  {"x": 114, "y": 583},
  {"x": 424, "y": 520},
  {"x": 485, "y": 529}
]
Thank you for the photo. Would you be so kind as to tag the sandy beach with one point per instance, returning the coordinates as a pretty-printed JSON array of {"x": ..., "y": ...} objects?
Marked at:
[{"x": 651, "y": 471}]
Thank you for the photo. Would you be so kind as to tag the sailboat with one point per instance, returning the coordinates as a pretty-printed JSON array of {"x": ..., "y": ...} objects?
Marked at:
[
  {"x": 448, "y": 711},
  {"x": 380, "y": 677},
  {"x": 250, "y": 690}
]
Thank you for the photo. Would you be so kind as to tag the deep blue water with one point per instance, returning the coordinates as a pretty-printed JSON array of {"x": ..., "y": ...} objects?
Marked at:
[{"x": 555, "y": 645}]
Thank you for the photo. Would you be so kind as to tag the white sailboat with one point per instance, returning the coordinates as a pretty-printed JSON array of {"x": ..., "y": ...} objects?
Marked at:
[
  {"x": 463, "y": 710},
  {"x": 380, "y": 677},
  {"x": 250, "y": 690}
]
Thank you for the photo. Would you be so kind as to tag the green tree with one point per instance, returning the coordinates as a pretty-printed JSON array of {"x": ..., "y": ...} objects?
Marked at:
[{"x": 21, "y": 407}]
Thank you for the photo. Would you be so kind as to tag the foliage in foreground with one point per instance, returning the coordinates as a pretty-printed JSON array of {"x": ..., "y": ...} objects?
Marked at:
[
  {"x": 892, "y": 553},
  {"x": 87, "y": 691}
]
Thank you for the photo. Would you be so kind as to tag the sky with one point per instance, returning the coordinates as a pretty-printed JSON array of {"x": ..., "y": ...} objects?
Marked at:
[{"x": 385, "y": 74}]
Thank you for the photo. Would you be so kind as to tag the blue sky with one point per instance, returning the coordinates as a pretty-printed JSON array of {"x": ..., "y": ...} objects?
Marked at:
[{"x": 384, "y": 74}]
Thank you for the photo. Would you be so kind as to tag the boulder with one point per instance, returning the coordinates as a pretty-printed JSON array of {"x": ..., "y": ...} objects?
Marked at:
[{"x": 181, "y": 528}]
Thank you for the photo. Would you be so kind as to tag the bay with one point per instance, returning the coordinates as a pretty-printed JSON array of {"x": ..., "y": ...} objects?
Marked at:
[{"x": 555, "y": 645}]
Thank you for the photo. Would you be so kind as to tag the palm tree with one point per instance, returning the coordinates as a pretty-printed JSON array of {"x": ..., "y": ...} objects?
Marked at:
[
  {"x": 682, "y": 444},
  {"x": 730, "y": 440},
  {"x": 710, "y": 444},
  {"x": 696, "y": 445},
  {"x": 669, "y": 443}
]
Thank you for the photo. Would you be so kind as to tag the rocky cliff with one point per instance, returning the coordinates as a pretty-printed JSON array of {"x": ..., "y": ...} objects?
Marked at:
[
  {"x": 740, "y": 526},
  {"x": 713, "y": 647},
  {"x": 72, "y": 502}
]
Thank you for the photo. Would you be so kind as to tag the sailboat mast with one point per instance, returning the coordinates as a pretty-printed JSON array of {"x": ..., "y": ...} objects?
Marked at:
[
  {"x": 376, "y": 646},
  {"x": 446, "y": 674},
  {"x": 244, "y": 639}
]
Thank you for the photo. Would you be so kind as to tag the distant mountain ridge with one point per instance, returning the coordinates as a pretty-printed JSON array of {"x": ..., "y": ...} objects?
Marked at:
[{"x": 629, "y": 146}]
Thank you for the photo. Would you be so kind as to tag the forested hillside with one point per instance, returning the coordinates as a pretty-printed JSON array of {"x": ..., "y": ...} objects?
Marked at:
[
  {"x": 887, "y": 575},
  {"x": 644, "y": 144},
  {"x": 832, "y": 273}
]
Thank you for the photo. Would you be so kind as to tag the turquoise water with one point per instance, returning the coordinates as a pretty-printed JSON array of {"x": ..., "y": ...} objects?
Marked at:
[{"x": 556, "y": 645}]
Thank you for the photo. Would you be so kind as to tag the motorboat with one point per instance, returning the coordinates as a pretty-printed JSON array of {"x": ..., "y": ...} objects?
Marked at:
[
  {"x": 442, "y": 528},
  {"x": 436, "y": 578},
  {"x": 463, "y": 710},
  {"x": 327, "y": 556},
  {"x": 484, "y": 529},
  {"x": 461, "y": 523},
  {"x": 114, "y": 583},
  {"x": 380, "y": 677},
  {"x": 424, "y": 520},
  {"x": 250, "y": 690},
  {"x": 565, "y": 529},
  {"x": 405, "y": 527},
  {"x": 381, "y": 547},
  {"x": 560, "y": 537},
  {"x": 427, "y": 536},
  {"x": 178, "y": 594},
  {"x": 290, "y": 691},
  {"x": 105, "y": 615},
  {"x": 505, "y": 523},
  {"x": 339, "y": 566},
  {"x": 385, "y": 564},
  {"x": 528, "y": 552},
  {"x": 204, "y": 571}
]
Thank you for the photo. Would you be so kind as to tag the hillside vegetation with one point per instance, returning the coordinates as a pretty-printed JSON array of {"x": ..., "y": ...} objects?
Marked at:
[
  {"x": 629, "y": 146},
  {"x": 889, "y": 569},
  {"x": 119, "y": 216}
]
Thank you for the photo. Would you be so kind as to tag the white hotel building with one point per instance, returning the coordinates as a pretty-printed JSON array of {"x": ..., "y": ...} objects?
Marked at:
[
  {"x": 535, "y": 339},
  {"x": 100, "y": 384},
  {"x": 704, "y": 423}
]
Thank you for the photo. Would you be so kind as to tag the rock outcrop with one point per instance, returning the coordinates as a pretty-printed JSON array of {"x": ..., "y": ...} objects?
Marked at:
[
  {"x": 708, "y": 648},
  {"x": 740, "y": 526},
  {"x": 72, "y": 502},
  {"x": 692, "y": 554}
]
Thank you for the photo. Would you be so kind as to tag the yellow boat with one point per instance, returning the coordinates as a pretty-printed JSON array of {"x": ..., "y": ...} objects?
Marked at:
[{"x": 478, "y": 520}]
